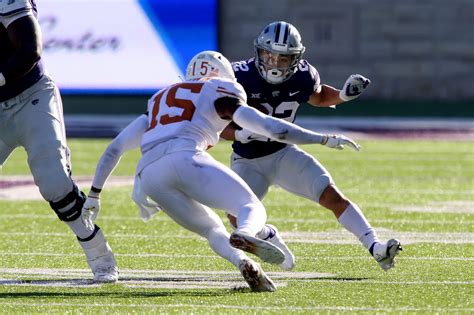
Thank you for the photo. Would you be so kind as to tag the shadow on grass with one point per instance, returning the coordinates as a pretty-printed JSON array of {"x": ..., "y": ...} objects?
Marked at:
[
  {"x": 143, "y": 287},
  {"x": 117, "y": 294},
  {"x": 41, "y": 288}
]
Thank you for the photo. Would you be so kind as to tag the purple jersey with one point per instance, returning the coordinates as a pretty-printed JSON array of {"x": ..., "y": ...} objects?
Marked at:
[
  {"x": 8, "y": 11},
  {"x": 278, "y": 100}
]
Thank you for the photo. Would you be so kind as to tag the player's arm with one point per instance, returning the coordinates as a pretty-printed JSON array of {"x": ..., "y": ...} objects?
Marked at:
[
  {"x": 128, "y": 139},
  {"x": 326, "y": 95},
  {"x": 235, "y": 133},
  {"x": 229, "y": 132},
  {"x": 274, "y": 128},
  {"x": 25, "y": 35}
]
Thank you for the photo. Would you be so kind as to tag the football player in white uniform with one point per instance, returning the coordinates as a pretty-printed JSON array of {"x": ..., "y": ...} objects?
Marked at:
[
  {"x": 278, "y": 80},
  {"x": 31, "y": 116},
  {"x": 177, "y": 173}
]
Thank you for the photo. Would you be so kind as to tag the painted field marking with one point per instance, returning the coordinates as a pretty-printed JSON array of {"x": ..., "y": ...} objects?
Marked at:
[
  {"x": 419, "y": 259},
  {"x": 339, "y": 236},
  {"x": 178, "y": 307},
  {"x": 163, "y": 218},
  {"x": 455, "y": 206},
  {"x": 166, "y": 279},
  {"x": 177, "y": 279},
  {"x": 22, "y": 187}
]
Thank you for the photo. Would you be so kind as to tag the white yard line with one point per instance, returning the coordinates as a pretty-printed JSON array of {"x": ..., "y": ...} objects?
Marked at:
[
  {"x": 194, "y": 256},
  {"x": 165, "y": 279},
  {"x": 162, "y": 218},
  {"x": 176, "y": 307},
  {"x": 339, "y": 236}
]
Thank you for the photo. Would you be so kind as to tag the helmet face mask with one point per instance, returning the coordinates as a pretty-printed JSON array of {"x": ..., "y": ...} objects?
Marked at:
[
  {"x": 207, "y": 64},
  {"x": 278, "y": 50}
]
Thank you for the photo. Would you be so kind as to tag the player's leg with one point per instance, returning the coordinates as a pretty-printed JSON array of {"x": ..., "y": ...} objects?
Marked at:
[
  {"x": 211, "y": 183},
  {"x": 215, "y": 185},
  {"x": 238, "y": 199},
  {"x": 196, "y": 217},
  {"x": 42, "y": 134},
  {"x": 5, "y": 151},
  {"x": 259, "y": 174},
  {"x": 253, "y": 175},
  {"x": 190, "y": 214},
  {"x": 303, "y": 175},
  {"x": 8, "y": 136},
  {"x": 351, "y": 217}
]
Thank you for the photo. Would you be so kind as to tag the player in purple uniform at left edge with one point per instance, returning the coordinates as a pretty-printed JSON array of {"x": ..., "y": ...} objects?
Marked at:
[{"x": 31, "y": 116}]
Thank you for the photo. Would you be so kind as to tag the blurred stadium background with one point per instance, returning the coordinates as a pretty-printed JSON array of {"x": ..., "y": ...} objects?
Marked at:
[{"x": 418, "y": 54}]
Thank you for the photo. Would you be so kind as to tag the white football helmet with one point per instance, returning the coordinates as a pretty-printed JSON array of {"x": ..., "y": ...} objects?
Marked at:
[
  {"x": 209, "y": 64},
  {"x": 278, "y": 50}
]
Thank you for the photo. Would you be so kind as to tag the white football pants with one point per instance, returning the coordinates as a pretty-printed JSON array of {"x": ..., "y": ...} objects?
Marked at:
[
  {"x": 290, "y": 168},
  {"x": 187, "y": 183},
  {"x": 35, "y": 122}
]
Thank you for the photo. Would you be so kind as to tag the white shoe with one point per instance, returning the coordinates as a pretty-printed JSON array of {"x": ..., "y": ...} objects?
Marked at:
[
  {"x": 100, "y": 259},
  {"x": 106, "y": 274},
  {"x": 255, "y": 277},
  {"x": 266, "y": 251},
  {"x": 385, "y": 254},
  {"x": 289, "y": 262}
]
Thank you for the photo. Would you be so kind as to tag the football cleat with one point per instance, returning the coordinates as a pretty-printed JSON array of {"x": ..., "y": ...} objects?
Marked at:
[
  {"x": 275, "y": 239},
  {"x": 100, "y": 258},
  {"x": 385, "y": 254},
  {"x": 253, "y": 274},
  {"x": 106, "y": 274},
  {"x": 265, "y": 250}
]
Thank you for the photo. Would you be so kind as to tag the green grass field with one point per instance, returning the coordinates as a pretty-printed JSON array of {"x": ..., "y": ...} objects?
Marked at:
[{"x": 421, "y": 192}]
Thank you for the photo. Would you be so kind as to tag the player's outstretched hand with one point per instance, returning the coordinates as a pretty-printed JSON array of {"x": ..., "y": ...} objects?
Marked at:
[
  {"x": 90, "y": 211},
  {"x": 354, "y": 86},
  {"x": 339, "y": 141}
]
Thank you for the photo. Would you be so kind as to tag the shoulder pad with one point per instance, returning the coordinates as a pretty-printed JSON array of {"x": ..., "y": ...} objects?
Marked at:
[
  {"x": 228, "y": 88},
  {"x": 309, "y": 71}
]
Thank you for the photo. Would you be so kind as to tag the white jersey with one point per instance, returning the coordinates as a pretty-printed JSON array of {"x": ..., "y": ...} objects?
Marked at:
[
  {"x": 12, "y": 10},
  {"x": 186, "y": 111}
]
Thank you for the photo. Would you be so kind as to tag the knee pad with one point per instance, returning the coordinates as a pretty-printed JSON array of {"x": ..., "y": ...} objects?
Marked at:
[{"x": 75, "y": 211}]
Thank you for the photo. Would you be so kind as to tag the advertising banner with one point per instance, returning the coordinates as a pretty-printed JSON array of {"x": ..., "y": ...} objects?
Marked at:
[{"x": 123, "y": 46}]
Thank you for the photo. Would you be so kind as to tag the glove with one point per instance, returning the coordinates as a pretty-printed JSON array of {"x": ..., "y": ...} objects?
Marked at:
[
  {"x": 90, "y": 210},
  {"x": 353, "y": 87},
  {"x": 245, "y": 136},
  {"x": 338, "y": 142}
]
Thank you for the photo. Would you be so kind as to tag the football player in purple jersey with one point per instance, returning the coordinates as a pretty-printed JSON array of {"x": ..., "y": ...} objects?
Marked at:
[
  {"x": 31, "y": 116},
  {"x": 277, "y": 80}
]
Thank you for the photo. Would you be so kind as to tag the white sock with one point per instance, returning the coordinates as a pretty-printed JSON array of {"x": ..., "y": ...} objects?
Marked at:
[
  {"x": 77, "y": 226},
  {"x": 219, "y": 241},
  {"x": 251, "y": 218},
  {"x": 353, "y": 220}
]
